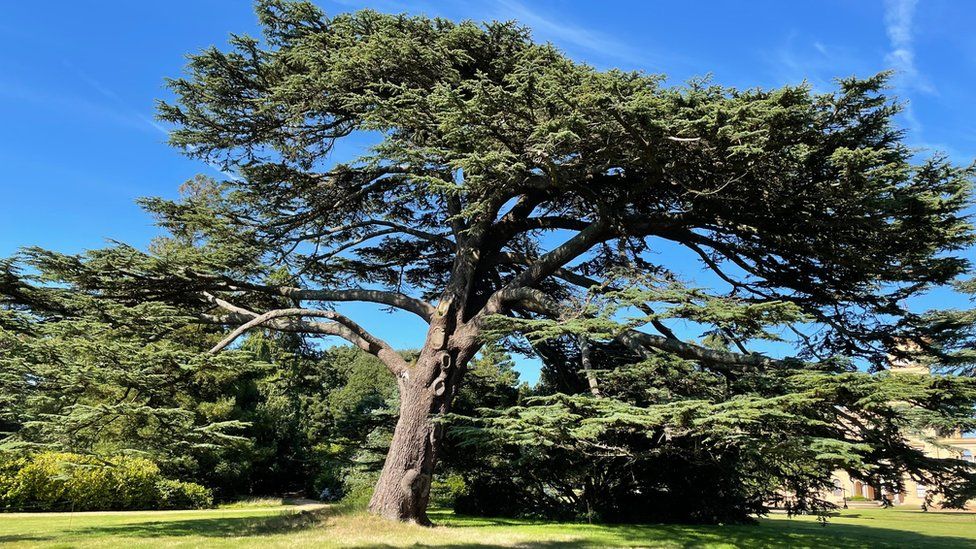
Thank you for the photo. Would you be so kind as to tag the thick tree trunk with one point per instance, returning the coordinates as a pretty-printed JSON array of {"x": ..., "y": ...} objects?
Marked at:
[
  {"x": 403, "y": 489},
  {"x": 426, "y": 390}
]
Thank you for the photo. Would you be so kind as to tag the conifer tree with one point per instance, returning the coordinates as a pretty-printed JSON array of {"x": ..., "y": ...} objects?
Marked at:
[{"x": 512, "y": 190}]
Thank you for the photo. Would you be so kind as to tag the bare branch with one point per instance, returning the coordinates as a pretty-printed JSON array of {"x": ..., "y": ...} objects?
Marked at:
[
  {"x": 398, "y": 227},
  {"x": 562, "y": 254},
  {"x": 398, "y": 300},
  {"x": 401, "y": 301},
  {"x": 545, "y": 222},
  {"x": 291, "y": 320},
  {"x": 530, "y": 299}
]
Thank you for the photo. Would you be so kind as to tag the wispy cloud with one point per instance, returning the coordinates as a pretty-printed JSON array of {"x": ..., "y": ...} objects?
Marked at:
[
  {"x": 125, "y": 111},
  {"x": 119, "y": 104},
  {"x": 899, "y": 18},
  {"x": 899, "y": 26},
  {"x": 569, "y": 35},
  {"x": 805, "y": 58}
]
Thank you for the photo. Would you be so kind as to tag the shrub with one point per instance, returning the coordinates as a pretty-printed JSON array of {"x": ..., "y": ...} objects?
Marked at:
[
  {"x": 8, "y": 470},
  {"x": 60, "y": 481},
  {"x": 357, "y": 491},
  {"x": 446, "y": 491},
  {"x": 135, "y": 482},
  {"x": 174, "y": 494}
]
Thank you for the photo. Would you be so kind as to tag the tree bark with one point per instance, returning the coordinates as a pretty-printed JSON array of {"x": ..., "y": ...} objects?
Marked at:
[
  {"x": 427, "y": 388},
  {"x": 586, "y": 359},
  {"x": 403, "y": 489}
]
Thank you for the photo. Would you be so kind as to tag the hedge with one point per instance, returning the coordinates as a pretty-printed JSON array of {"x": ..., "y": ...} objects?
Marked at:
[{"x": 60, "y": 481}]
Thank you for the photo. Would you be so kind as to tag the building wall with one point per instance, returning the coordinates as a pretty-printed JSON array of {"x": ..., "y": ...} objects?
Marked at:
[{"x": 960, "y": 446}]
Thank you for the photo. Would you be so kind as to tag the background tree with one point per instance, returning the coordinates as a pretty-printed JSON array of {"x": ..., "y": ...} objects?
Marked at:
[
  {"x": 666, "y": 440},
  {"x": 506, "y": 181},
  {"x": 91, "y": 375}
]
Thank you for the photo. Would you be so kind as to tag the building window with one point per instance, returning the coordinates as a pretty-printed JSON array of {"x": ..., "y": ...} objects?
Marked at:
[
  {"x": 920, "y": 490},
  {"x": 838, "y": 490},
  {"x": 967, "y": 456}
]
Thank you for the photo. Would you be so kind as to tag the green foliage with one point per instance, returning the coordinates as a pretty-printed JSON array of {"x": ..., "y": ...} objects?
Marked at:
[
  {"x": 357, "y": 489},
  {"x": 667, "y": 442},
  {"x": 114, "y": 378},
  {"x": 174, "y": 494},
  {"x": 819, "y": 222},
  {"x": 111, "y": 377},
  {"x": 446, "y": 491},
  {"x": 53, "y": 481}
]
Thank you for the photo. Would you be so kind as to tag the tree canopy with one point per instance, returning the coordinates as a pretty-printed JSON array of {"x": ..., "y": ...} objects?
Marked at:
[{"x": 514, "y": 195}]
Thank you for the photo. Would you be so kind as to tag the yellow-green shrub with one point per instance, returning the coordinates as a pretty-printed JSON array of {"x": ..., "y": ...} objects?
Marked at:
[{"x": 60, "y": 481}]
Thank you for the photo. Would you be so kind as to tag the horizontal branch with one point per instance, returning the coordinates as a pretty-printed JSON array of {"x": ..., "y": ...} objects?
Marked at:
[
  {"x": 394, "y": 299},
  {"x": 294, "y": 320},
  {"x": 393, "y": 226},
  {"x": 544, "y": 222},
  {"x": 529, "y": 299},
  {"x": 397, "y": 300},
  {"x": 639, "y": 341}
]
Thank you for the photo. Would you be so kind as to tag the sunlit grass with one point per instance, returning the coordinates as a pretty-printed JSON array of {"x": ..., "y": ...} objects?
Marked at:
[
  {"x": 252, "y": 525},
  {"x": 253, "y": 502}
]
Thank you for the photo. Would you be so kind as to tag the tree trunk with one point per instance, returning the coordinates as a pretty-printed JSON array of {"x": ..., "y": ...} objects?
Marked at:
[
  {"x": 403, "y": 489},
  {"x": 427, "y": 388}
]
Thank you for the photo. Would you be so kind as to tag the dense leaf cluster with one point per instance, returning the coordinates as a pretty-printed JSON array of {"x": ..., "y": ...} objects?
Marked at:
[{"x": 666, "y": 441}]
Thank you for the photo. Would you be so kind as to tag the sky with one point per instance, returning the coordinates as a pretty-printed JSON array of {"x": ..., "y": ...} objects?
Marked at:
[{"x": 78, "y": 82}]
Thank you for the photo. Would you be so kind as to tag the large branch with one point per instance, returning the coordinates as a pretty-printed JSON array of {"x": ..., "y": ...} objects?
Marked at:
[
  {"x": 295, "y": 320},
  {"x": 397, "y": 300},
  {"x": 529, "y": 299},
  {"x": 640, "y": 342},
  {"x": 564, "y": 253},
  {"x": 544, "y": 222}
]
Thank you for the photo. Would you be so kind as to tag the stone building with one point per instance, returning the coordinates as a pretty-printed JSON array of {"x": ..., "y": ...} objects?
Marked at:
[{"x": 848, "y": 490}]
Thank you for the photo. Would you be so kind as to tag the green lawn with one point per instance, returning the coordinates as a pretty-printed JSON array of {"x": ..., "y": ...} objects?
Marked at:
[{"x": 268, "y": 526}]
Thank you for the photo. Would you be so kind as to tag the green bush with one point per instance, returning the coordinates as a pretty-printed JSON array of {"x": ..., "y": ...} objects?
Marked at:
[
  {"x": 136, "y": 482},
  {"x": 174, "y": 494},
  {"x": 59, "y": 481},
  {"x": 444, "y": 492},
  {"x": 357, "y": 491},
  {"x": 8, "y": 470}
]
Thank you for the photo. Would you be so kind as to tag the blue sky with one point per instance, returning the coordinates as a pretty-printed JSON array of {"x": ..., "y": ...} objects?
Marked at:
[{"x": 78, "y": 142}]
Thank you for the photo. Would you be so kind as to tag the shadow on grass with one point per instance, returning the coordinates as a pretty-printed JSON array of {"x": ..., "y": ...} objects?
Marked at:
[
  {"x": 766, "y": 534},
  {"x": 204, "y": 526}
]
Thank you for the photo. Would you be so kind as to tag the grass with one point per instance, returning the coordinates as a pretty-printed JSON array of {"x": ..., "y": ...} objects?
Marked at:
[
  {"x": 309, "y": 525},
  {"x": 250, "y": 503}
]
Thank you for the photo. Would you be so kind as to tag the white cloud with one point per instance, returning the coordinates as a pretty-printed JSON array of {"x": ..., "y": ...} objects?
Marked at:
[
  {"x": 804, "y": 58},
  {"x": 567, "y": 34},
  {"x": 124, "y": 111},
  {"x": 899, "y": 20},
  {"x": 899, "y": 26}
]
